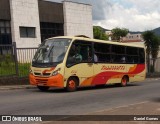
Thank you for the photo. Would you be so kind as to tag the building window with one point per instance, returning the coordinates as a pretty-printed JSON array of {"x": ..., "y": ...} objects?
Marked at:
[
  {"x": 27, "y": 32},
  {"x": 49, "y": 30},
  {"x": 5, "y": 32}
]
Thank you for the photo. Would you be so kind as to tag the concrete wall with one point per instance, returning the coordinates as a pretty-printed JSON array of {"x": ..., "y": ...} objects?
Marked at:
[
  {"x": 77, "y": 19},
  {"x": 25, "y": 13}
]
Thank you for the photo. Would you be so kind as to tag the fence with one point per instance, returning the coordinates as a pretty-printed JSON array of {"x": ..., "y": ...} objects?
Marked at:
[{"x": 15, "y": 61}]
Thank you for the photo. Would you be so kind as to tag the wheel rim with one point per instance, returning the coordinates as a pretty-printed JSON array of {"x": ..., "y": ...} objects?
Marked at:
[
  {"x": 72, "y": 84},
  {"x": 124, "y": 81}
]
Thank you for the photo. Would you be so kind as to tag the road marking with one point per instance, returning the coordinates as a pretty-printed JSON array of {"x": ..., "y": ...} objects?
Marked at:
[{"x": 117, "y": 107}]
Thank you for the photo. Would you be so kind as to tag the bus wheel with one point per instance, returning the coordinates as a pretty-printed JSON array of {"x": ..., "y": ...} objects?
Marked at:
[
  {"x": 43, "y": 88},
  {"x": 71, "y": 85},
  {"x": 124, "y": 81}
]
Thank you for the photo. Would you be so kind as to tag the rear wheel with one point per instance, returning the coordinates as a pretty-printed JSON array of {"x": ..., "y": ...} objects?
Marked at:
[
  {"x": 124, "y": 81},
  {"x": 72, "y": 84},
  {"x": 43, "y": 88}
]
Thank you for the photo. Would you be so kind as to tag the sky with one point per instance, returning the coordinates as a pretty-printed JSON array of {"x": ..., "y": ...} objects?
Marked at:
[{"x": 135, "y": 15}]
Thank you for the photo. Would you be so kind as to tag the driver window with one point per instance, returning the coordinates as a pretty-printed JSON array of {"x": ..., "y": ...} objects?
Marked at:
[{"x": 80, "y": 52}]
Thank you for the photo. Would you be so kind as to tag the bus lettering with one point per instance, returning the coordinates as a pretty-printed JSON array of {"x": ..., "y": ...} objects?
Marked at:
[{"x": 113, "y": 67}]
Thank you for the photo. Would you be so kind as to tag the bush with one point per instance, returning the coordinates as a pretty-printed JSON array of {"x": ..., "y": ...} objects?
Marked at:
[
  {"x": 1, "y": 60},
  {"x": 8, "y": 60}
]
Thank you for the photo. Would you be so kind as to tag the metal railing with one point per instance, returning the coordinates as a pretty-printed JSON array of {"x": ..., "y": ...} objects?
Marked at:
[{"x": 15, "y": 61}]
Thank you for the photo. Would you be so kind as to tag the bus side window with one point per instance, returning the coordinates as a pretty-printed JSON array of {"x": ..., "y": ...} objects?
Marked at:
[
  {"x": 141, "y": 56},
  {"x": 80, "y": 52},
  {"x": 132, "y": 55},
  {"x": 102, "y": 52},
  {"x": 74, "y": 55}
]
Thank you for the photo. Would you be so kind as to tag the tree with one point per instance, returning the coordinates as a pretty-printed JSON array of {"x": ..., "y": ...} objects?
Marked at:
[
  {"x": 99, "y": 33},
  {"x": 152, "y": 47},
  {"x": 154, "y": 50},
  {"x": 118, "y": 33}
]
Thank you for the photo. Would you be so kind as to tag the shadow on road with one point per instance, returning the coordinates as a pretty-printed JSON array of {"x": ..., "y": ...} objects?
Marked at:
[
  {"x": 156, "y": 99},
  {"x": 57, "y": 90}
]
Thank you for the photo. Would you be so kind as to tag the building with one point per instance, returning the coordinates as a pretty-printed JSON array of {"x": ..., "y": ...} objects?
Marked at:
[
  {"x": 133, "y": 38},
  {"x": 29, "y": 22}
]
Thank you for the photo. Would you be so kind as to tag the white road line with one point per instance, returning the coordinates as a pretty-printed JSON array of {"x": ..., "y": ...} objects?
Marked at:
[{"x": 117, "y": 107}]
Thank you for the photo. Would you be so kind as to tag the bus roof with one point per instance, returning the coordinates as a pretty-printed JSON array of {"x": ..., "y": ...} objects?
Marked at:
[{"x": 99, "y": 41}]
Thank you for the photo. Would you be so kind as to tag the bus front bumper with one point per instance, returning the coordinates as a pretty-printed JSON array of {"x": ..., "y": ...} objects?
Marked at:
[{"x": 54, "y": 81}]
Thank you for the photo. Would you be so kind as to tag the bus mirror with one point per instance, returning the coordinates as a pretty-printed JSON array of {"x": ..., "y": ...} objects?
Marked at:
[{"x": 77, "y": 60}]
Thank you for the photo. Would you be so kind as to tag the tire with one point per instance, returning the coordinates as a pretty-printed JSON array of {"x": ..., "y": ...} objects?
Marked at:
[
  {"x": 43, "y": 88},
  {"x": 124, "y": 81},
  {"x": 72, "y": 84}
]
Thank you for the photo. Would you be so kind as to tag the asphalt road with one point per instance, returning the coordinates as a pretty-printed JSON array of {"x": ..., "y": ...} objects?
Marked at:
[{"x": 84, "y": 101}]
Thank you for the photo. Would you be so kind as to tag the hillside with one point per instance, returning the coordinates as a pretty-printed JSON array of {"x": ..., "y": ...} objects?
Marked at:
[{"x": 157, "y": 31}]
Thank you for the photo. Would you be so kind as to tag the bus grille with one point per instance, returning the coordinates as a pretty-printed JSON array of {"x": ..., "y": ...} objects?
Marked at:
[
  {"x": 46, "y": 74},
  {"x": 37, "y": 74},
  {"x": 41, "y": 81}
]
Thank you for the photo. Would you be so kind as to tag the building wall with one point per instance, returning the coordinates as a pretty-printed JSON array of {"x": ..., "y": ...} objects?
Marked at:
[
  {"x": 77, "y": 19},
  {"x": 132, "y": 38},
  {"x": 25, "y": 13}
]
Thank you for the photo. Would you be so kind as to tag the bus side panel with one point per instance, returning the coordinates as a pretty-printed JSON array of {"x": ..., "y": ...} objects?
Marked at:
[
  {"x": 137, "y": 72},
  {"x": 83, "y": 71},
  {"x": 108, "y": 73},
  {"x": 113, "y": 73}
]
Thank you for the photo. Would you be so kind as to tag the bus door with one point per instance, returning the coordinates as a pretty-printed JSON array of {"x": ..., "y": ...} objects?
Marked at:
[{"x": 79, "y": 62}]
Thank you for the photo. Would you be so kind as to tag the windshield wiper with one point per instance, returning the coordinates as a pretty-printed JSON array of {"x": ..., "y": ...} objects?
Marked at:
[{"x": 50, "y": 50}]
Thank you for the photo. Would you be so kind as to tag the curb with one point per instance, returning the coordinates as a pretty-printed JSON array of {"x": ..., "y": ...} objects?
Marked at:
[{"x": 15, "y": 87}]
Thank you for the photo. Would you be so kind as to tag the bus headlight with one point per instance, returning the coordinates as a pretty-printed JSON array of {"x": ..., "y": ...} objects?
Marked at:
[
  {"x": 56, "y": 72},
  {"x": 30, "y": 71}
]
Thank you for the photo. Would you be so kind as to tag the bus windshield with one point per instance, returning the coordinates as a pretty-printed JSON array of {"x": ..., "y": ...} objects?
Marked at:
[{"x": 51, "y": 51}]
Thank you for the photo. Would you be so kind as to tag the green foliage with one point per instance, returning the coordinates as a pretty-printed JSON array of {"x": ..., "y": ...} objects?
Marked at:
[
  {"x": 23, "y": 69},
  {"x": 8, "y": 59},
  {"x": 152, "y": 43},
  {"x": 1, "y": 60},
  {"x": 148, "y": 37},
  {"x": 99, "y": 33},
  {"x": 155, "y": 47},
  {"x": 5, "y": 60},
  {"x": 117, "y": 33}
]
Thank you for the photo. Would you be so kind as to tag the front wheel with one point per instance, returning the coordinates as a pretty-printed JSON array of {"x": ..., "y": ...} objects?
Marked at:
[
  {"x": 72, "y": 84},
  {"x": 124, "y": 81},
  {"x": 43, "y": 88}
]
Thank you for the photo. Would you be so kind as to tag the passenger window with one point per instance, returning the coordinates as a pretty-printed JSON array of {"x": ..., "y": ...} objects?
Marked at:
[
  {"x": 141, "y": 56},
  {"x": 118, "y": 54},
  {"x": 132, "y": 55},
  {"x": 80, "y": 52},
  {"x": 102, "y": 52}
]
